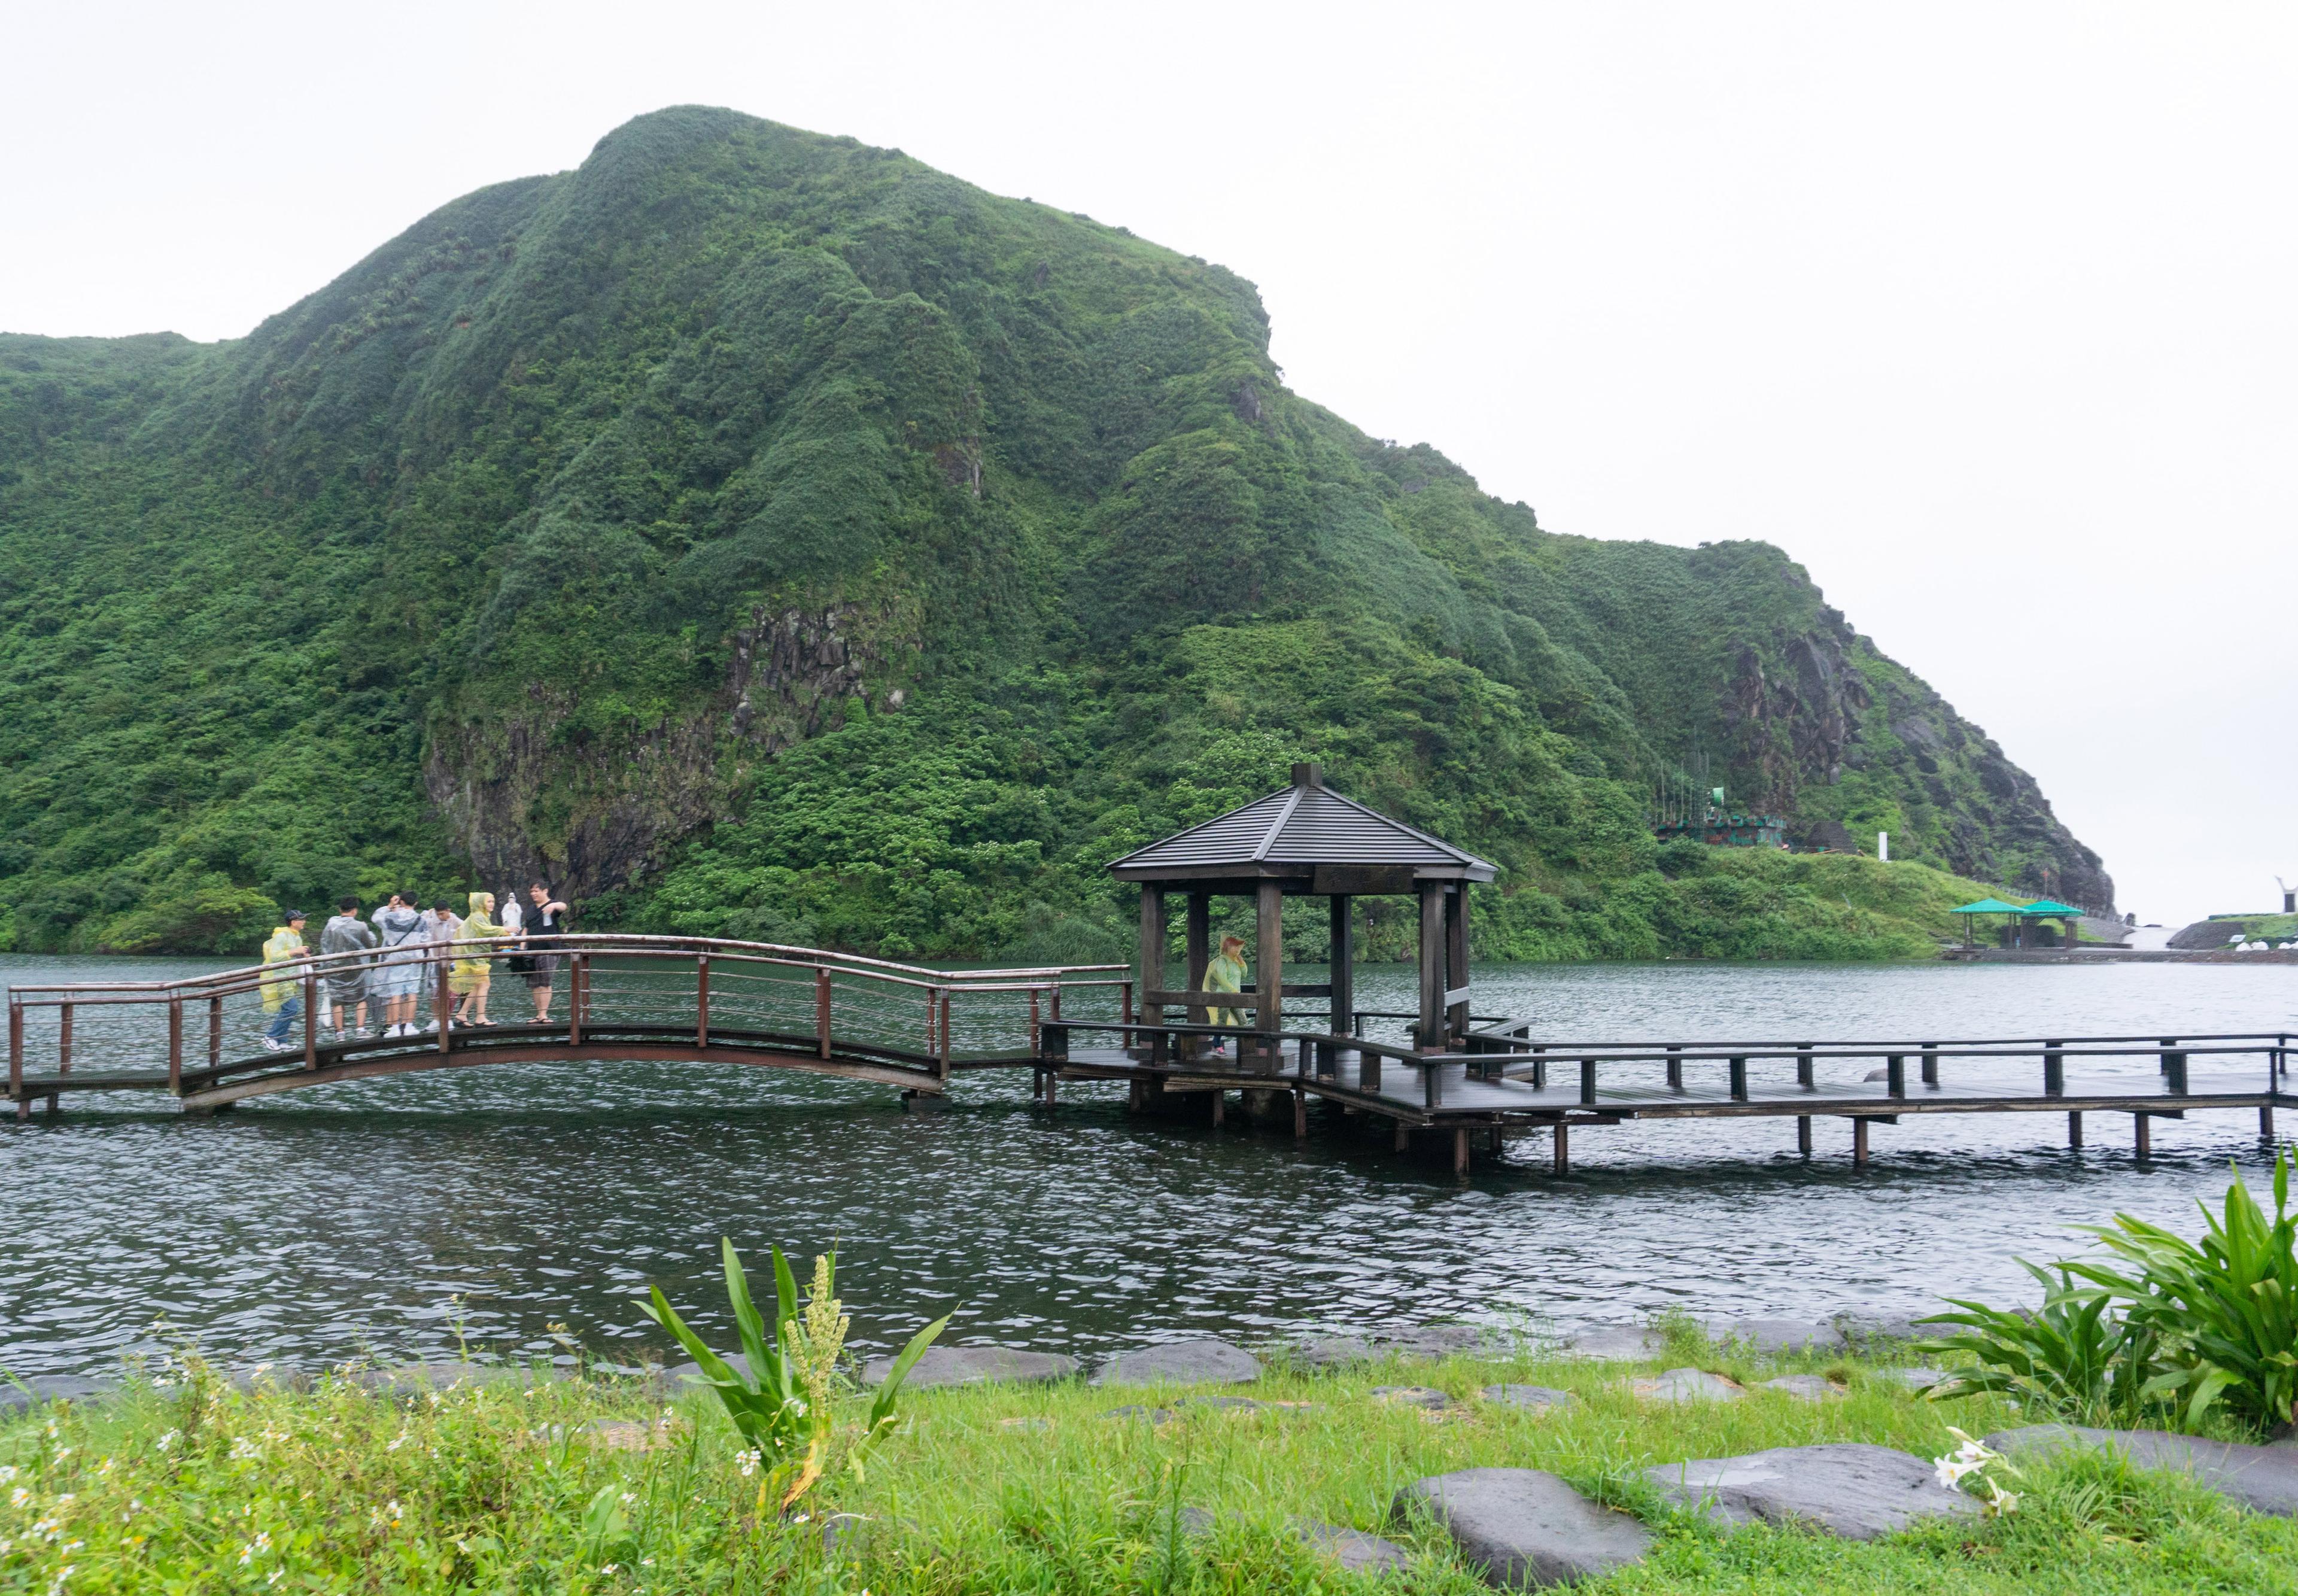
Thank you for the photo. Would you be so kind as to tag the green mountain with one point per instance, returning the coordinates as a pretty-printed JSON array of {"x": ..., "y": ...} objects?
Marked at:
[{"x": 760, "y": 532}]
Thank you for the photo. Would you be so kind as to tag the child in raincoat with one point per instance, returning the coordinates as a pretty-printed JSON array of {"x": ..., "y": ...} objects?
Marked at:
[
  {"x": 1225, "y": 973},
  {"x": 282, "y": 999},
  {"x": 473, "y": 972}
]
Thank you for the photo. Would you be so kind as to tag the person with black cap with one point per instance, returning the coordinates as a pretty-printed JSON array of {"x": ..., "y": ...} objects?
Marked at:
[{"x": 281, "y": 998}]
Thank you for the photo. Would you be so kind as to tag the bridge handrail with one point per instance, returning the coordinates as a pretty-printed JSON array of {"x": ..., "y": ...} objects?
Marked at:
[
  {"x": 1503, "y": 1031},
  {"x": 222, "y": 982}
]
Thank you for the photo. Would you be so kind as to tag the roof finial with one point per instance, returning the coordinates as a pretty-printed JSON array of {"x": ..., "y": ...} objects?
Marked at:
[{"x": 1308, "y": 775}]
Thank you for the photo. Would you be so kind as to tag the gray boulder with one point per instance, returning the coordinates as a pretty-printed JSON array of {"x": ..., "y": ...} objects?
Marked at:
[
  {"x": 1351, "y": 1548},
  {"x": 1866, "y": 1331},
  {"x": 1523, "y": 1528},
  {"x": 1438, "y": 1341},
  {"x": 1807, "y": 1388},
  {"x": 1334, "y": 1351},
  {"x": 1618, "y": 1344},
  {"x": 1687, "y": 1386},
  {"x": 1913, "y": 1379},
  {"x": 1848, "y": 1488},
  {"x": 1412, "y": 1396},
  {"x": 2263, "y": 1478},
  {"x": 1772, "y": 1337},
  {"x": 37, "y": 1390},
  {"x": 1181, "y": 1363},
  {"x": 1537, "y": 1399},
  {"x": 975, "y": 1366},
  {"x": 1152, "y": 1417}
]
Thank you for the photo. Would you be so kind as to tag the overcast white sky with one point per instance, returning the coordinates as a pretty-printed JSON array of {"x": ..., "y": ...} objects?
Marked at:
[{"x": 1984, "y": 312}]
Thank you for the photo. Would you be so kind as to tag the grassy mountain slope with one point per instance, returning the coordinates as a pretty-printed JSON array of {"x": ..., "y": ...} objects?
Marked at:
[{"x": 757, "y": 531}]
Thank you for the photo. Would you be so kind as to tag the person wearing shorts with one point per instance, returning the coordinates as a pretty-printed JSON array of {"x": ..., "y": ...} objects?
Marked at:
[
  {"x": 399, "y": 933},
  {"x": 346, "y": 979},
  {"x": 540, "y": 947}
]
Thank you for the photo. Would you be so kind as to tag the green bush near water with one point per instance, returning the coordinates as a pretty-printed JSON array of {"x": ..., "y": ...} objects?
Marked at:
[{"x": 600, "y": 1486}]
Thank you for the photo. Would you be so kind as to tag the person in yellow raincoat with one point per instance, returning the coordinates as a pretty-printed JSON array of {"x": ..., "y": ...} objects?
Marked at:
[
  {"x": 473, "y": 972},
  {"x": 1225, "y": 973},
  {"x": 283, "y": 1000}
]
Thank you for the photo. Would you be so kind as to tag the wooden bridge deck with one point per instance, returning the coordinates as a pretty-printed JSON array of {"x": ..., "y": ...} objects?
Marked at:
[{"x": 197, "y": 1043}]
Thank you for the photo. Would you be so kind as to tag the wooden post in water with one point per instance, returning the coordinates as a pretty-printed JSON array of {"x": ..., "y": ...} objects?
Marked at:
[
  {"x": 1858, "y": 1144},
  {"x": 1562, "y": 1147},
  {"x": 2142, "y": 1134},
  {"x": 2266, "y": 1120},
  {"x": 1803, "y": 1135},
  {"x": 1300, "y": 1115},
  {"x": 1460, "y": 1149},
  {"x": 2074, "y": 1128},
  {"x": 1675, "y": 1065},
  {"x": 1220, "y": 1107},
  {"x": 822, "y": 1014},
  {"x": 701, "y": 1000},
  {"x": 1403, "y": 1137}
]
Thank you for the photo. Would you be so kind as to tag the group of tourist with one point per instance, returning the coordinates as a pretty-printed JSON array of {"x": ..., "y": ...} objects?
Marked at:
[{"x": 400, "y": 965}]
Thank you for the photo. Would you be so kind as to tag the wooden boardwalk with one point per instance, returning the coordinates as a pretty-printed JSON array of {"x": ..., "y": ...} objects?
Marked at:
[{"x": 198, "y": 1043}]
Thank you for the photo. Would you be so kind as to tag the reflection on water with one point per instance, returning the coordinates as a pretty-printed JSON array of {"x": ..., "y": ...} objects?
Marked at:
[{"x": 388, "y": 1215}]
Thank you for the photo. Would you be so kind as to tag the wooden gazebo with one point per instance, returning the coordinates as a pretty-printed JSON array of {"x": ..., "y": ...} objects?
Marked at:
[{"x": 1305, "y": 841}]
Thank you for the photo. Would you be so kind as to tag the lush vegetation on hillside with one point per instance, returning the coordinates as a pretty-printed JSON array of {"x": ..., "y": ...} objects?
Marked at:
[{"x": 752, "y": 528}]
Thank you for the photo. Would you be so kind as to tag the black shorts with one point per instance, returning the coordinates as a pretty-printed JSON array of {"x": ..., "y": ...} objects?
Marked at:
[{"x": 541, "y": 968}]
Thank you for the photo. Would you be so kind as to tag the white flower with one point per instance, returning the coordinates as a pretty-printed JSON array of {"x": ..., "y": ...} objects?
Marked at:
[
  {"x": 403, "y": 1439},
  {"x": 19, "y": 1497},
  {"x": 7, "y": 1473},
  {"x": 2000, "y": 1501},
  {"x": 168, "y": 1440},
  {"x": 748, "y": 1462},
  {"x": 629, "y": 1497},
  {"x": 243, "y": 1449},
  {"x": 273, "y": 1577}
]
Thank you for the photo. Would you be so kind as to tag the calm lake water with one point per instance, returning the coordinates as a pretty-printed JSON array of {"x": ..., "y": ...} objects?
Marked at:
[{"x": 383, "y": 1218}]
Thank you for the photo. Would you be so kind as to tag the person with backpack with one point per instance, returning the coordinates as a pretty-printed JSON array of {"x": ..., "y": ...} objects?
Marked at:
[
  {"x": 399, "y": 975},
  {"x": 346, "y": 933}
]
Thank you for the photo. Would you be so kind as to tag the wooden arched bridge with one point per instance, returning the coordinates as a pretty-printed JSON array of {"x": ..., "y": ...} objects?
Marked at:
[
  {"x": 209, "y": 1041},
  {"x": 201, "y": 1041}
]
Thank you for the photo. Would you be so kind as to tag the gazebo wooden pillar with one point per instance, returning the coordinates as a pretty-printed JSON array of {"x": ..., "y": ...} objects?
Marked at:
[{"x": 1305, "y": 841}]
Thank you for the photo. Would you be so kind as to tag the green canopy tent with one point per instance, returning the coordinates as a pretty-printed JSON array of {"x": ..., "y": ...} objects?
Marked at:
[
  {"x": 1985, "y": 905},
  {"x": 2050, "y": 908}
]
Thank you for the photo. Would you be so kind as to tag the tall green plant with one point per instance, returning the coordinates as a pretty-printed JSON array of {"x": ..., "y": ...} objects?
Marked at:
[
  {"x": 783, "y": 1400},
  {"x": 2225, "y": 1310},
  {"x": 2072, "y": 1356}
]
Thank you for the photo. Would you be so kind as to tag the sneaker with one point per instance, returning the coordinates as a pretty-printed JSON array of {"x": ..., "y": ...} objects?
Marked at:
[
  {"x": 271, "y": 1047},
  {"x": 430, "y": 1028}
]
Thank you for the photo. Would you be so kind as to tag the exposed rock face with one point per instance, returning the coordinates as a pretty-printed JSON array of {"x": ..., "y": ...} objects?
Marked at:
[{"x": 528, "y": 797}]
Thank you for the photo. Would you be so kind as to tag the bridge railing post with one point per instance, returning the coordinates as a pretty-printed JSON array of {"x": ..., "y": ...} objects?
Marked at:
[
  {"x": 574, "y": 963},
  {"x": 443, "y": 1000},
  {"x": 1736, "y": 1068},
  {"x": 821, "y": 1010},
  {"x": 1034, "y": 1036},
  {"x": 16, "y": 1059},
  {"x": 942, "y": 1063},
  {"x": 310, "y": 1020},
  {"x": 215, "y": 1032},
  {"x": 702, "y": 1000},
  {"x": 176, "y": 1045},
  {"x": 2054, "y": 1071}
]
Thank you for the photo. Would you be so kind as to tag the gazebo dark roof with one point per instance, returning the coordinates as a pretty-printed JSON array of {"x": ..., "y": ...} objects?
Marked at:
[{"x": 1295, "y": 832}]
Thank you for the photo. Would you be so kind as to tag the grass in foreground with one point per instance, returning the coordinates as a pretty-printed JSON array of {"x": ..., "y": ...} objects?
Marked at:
[{"x": 603, "y": 1486}]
